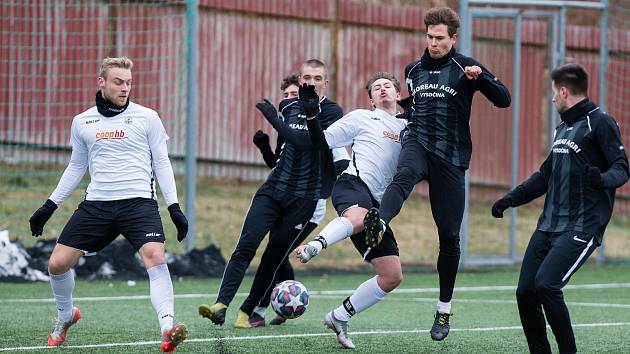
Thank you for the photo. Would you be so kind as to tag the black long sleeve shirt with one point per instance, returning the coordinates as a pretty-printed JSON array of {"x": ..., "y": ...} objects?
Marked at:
[
  {"x": 442, "y": 97},
  {"x": 585, "y": 137},
  {"x": 303, "y": 169}
]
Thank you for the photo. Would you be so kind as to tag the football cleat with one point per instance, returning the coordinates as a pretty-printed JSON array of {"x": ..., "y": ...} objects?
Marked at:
[
  {"x": 242, "y": 320},
  {"x": 278, "y": 320},
  {"x": 174, "y": 337},
  {"x": 340, "y": 328},
  {"x": 441, "y": 326},
  {"x": 60, "y": 328},
  {"x": 256, "y": 320},
  {"x": 306, "y": 252},
  {"x": 215, "y": 313},
  {"x": 374, "y": 228}
]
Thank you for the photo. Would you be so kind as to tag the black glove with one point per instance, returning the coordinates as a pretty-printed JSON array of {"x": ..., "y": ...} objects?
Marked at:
[
  {"x": 500, "y": 205},
  {"x": 309, "y": 100},
  {"x": 180, "y": 221},
  {"x": 405, "y": 104},
  {"x": 40, "y": 216},
  {"x": 593, "y": 176},
  {"x": 268, "y": 110},
  {"x": 261, "y": 139}
]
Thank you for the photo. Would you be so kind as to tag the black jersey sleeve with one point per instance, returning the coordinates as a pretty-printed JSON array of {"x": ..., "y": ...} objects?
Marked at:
[
  {"x": 316, "y": 134},
  {"x": 615, "y": 173},
  {"x": 299, "y": 138},
  {"x": 534, "y": 186},
  {"x": 491, "y": 87},
  {"x": 268, "y": 155}
]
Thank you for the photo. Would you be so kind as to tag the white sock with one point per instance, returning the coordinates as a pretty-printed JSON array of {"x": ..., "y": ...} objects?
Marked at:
[
  {"x": 260, "y": 311},
  {"x": 338, "y": 229},
  {"x": 366, "y": 295},
  {"x": 161, "y": 290},
  {"x": 444, "y": 307},
  {"x": 62, "y": 286}
]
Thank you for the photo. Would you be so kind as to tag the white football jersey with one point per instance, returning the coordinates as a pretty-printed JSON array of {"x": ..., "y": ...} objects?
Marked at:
[
  {"x": 375, "y": 139},
  {"x": 121, "y": 153}
]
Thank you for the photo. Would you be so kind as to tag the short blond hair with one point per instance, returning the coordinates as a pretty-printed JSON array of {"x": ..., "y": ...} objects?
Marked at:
[{"x": 108, "y": 63}]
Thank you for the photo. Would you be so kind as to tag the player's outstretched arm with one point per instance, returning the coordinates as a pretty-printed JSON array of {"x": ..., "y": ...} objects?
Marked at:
[
  {"x": 298, "y": 138},
  {"x": 261, "y": 140},
  {"x": 69, "y": 181},
  {"x": 489, "y": 85},
  {"x": 532, "y": 188}
]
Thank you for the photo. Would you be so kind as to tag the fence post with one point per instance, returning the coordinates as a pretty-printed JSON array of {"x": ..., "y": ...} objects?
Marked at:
[{"x": 192, "y": 11}]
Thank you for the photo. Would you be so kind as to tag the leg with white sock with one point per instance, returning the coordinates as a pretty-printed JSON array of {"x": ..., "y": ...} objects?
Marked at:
[
  {"x": 62, "y": 259},
  {"x": 337, "y": 230},
  {"x": 389, "y": 276},
  {"x": 60, "y": 266},
  {"x": 161, "y": 287}
]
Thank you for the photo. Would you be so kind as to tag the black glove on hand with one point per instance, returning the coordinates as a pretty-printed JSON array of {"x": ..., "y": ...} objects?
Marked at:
[
  {"x": 593, "y": 176},
  {"x": 267, "y": 109},
  {"x": 40, "y": 216},
  {"x": 500, "y": 205},
  {"x": 180, "y": 221},
  {"x": 261, "y": 140},
  {"x": 309, "y": 100},
  {"x": 406, "y": 104}
]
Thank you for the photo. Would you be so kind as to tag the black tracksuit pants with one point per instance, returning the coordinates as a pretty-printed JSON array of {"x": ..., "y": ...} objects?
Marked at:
[
  {"x": 285, "y": 217},
  {"x": 446, "y": 195},
  {"x": 549, "y": 262},
  {"x": 284, "y": 272}
]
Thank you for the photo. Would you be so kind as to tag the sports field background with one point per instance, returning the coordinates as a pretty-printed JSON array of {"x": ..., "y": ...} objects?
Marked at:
[{"x": 118, "y": 318}]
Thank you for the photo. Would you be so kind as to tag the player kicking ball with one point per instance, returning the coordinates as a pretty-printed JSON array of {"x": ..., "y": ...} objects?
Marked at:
[
  {"x": 124, "y": 146},
  {"x": 371, "y": 133}
]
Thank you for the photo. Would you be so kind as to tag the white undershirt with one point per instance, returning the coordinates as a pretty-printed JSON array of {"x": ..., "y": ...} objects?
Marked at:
[
  {"x": 122, "y": 153},
  {"x": 375, "y": 139}
]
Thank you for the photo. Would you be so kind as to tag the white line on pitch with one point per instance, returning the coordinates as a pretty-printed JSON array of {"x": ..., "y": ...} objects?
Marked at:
[
  {"x": 202, "y": 340},
  {"x": 327, "y": 292}
]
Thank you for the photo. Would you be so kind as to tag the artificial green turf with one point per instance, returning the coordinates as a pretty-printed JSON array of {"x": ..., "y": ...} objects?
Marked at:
[{"x": 403, "y": 319}]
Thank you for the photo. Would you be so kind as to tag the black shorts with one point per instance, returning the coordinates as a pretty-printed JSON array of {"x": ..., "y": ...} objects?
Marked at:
[
  {"x": 95, "y": 224},
  {"x": 350, "y": 191}
]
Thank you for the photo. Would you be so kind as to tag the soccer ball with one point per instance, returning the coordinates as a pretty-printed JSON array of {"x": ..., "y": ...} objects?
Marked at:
[{"x": 289, "y": 299}]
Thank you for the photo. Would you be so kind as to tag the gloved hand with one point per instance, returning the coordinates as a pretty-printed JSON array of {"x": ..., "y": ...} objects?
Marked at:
[
  {"x": 180, "y": 221},
  {"x": 268, "y": 110},
  {"x": 405, "y": 104},
  {"x": 501, "y": 205},
  {"x": 309, "y": 100},
  {"x": 41, "y": 216},
  {"x": 261, "y": 140},
  {"x": 593, "y": 176}
]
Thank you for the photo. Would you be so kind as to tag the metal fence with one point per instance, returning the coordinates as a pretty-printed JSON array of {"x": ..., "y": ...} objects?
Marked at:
[{"x": 50, "y": 49}]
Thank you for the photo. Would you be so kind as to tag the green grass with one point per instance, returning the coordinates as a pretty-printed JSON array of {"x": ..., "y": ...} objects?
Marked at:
[
  {"x": 222, "y": 204},
  {"x": 399, "y": 324}
]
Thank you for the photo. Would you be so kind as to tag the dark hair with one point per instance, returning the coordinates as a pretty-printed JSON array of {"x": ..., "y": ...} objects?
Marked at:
[
  {"x": 291, "y": 79},
  {"x": 382, "y": 75},
  {"x": 314, "y": 63},
  {"x": 572, "y": 76},
  {"x": 442, "y": 16}
]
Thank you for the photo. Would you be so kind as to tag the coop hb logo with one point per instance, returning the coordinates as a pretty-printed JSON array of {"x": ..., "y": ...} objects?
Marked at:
[{"x": 115, "y": 135}]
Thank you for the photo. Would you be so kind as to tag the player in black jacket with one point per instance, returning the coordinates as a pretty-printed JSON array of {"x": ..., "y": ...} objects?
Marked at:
[
  {"x": 436, "y": 146},
  {"x": 284, "y": 204},
  {"x": 289, "y": 87},
  {"x": 585, "y": 166}
]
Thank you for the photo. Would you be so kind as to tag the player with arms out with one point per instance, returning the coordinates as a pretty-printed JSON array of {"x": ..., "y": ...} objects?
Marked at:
[
  {"x": 123, "y": 144},
  {"x": 289, "y": 87},
  {"x": 437, "y": 147},
  {"x": 585, "y": 166}
]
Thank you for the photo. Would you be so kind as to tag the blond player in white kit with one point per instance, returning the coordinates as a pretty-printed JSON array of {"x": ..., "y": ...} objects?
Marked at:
[
  {"x": 123, "y": 144},
  {"x": 375, "y": 139}
]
